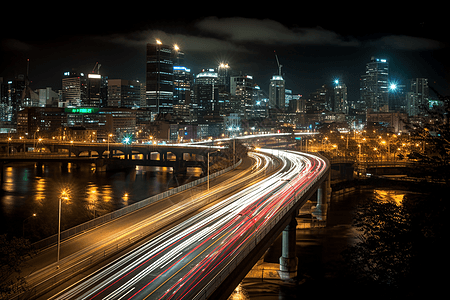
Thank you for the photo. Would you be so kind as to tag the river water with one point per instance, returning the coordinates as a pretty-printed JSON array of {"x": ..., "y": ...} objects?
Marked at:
[
  {"x": 27, "y": 190},
  {"x": 319, "y": 253}
]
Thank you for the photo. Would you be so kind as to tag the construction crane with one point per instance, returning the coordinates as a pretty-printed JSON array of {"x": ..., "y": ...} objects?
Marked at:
[
  {"x": 278, "y": 62},
  {"x": 97, "y": 65}
]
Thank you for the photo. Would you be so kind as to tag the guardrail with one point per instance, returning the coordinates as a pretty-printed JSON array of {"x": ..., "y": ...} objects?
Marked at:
[
  {"x": 126, "y": 210},
  {"x": 47, "y": 277},
  {"x": 256, "y": 237}
]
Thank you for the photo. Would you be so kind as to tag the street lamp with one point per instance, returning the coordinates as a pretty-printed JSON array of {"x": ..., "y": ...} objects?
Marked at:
[
  {"x": 359, "y": 156},
  {"x": 23, "y": 224},
  {"x": 64, "y": 196},
  {"x": 109, "y": 136}
]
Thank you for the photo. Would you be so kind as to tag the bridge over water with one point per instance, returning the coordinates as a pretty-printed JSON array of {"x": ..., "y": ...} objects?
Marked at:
[{"x": 108, "y": 155}]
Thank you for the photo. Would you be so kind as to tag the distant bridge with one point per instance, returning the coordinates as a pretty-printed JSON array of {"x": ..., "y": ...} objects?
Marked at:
[{"x": 108, "y": 155}]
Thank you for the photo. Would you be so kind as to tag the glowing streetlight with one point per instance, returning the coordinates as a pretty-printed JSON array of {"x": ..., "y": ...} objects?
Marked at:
[
  {"x": 393, "y": 87},
  {"x": 176, "y": 47},
  {"x": 158, "y": 42},
  {"x": 23, "y": 224},
  {"x": 64, "y": 196},
  {"x": 127, "y": 140}
]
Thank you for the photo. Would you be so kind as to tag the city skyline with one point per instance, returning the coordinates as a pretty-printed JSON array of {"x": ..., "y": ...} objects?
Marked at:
[{"x": 312, "y": 52}]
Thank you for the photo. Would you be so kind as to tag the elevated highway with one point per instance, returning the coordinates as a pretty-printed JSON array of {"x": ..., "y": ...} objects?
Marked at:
[
  {"x": 208, "y": 254},
  {"x": 92, "y": 247}
]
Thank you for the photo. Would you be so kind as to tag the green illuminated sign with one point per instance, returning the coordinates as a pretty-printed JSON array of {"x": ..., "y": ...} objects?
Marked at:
[{"x": 82, "y": 110}]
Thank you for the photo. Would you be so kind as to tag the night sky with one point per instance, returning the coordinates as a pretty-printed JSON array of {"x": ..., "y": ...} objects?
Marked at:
[{"x": 315, "y": 45}]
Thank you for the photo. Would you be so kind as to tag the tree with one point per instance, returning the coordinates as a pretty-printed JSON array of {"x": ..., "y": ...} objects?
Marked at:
[
  {"x": 384, "y": 249},
  {"x": 433, "y": 133},
  {"x": 13, "y": 253},
  {"x": 402, "y": 248}
]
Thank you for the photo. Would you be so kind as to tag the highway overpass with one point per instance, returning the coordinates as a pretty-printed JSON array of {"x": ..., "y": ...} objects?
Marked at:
[{"x": 208, "y": 254}]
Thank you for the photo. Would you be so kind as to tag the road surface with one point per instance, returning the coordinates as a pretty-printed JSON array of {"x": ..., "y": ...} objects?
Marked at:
[{"x": 180, "y": 262}]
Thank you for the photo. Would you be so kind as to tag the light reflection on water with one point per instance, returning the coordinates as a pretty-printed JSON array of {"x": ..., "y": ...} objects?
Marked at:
[
  {"x": 27, "y": 189},
  {"x": 395, "y": 196},
  {"x": 239, "y": 293}
]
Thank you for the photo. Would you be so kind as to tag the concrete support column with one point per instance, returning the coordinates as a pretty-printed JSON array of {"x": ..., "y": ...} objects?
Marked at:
[
  {"x": 320, "y": 212},
  {"x": 288, "y": 260},
  {"x": 322, "y": 193}
]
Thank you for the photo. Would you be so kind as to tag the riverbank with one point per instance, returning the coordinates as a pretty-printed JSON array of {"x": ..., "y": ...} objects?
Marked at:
[{"x": 322, "y": 270}]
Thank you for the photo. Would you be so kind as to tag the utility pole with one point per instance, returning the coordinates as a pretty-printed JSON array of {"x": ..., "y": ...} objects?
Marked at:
[
  {"x": 234, "y": 151},
  {"x": 207, "y": 173}
]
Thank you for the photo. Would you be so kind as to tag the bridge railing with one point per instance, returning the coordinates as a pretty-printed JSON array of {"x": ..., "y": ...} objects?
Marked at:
[
  {"x": 126, "y": 210},
  {"x": 256, "y": 237}
]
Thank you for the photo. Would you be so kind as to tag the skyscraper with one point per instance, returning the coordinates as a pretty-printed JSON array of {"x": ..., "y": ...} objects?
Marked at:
[
  {"x": 182, "y": 80},
  {"x": 374, "y": 93},
  {"x": 340, "y": 98},
  {"x": 241, "y": 87},
  {"x": 417, "y": 97},
  {"x": 74, "y": 88},
  {"x": 277, "y": 92},
  {"x": 95, "y": 91},
  {"x": 206, "y": 90},
  {"x": 159, "y": 78}
]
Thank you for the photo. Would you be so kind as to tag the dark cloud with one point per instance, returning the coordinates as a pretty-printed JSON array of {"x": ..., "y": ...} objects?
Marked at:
[
  {"x": 15, "y": 45},
  {"x": 213, "y": 34},
  {"x": 408, "y": 43},
  {"x": 231, "y": 34},
  {"x": 191, "y": 43},
  {"x": 271, "y": 32}
]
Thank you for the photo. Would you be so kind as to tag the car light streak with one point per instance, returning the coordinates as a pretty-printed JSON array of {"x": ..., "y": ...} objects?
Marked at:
[{"x": 180, "y": 261}]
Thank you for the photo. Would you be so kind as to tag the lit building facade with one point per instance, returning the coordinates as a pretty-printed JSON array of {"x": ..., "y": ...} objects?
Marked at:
[
  {"x": 374, "y": 92},
  {"x": 74, "y": 88},
  {"x": 206, "y": 90},
  {"x": 124, "y": 93},
  {"x": 417, "y": 97},
  {"x": 159, "y": 78},
  {"x": 277, "y": 96},
  {"x": 340, "y": 99},
  {"x": 242, "y": 87}
]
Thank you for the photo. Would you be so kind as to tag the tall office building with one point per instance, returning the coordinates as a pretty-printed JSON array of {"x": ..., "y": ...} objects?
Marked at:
[
  {"x": 182, "y": 104},
  {"x": 340, "y": 103},
  {"x": 159, "y": 77},
  {"x": 74, "y": 89},
  {"x": 206, "y": 90},
  {"x": 241, "y": 87},
  {"x": 224, "y": 71},
  {"x": 277, "y": 92},
  {"x": 417, "y": 97},
  {"x": 374, "y": 92},
  {"x": 11, "y": 98}
]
